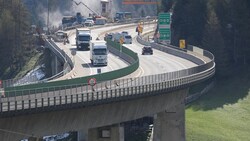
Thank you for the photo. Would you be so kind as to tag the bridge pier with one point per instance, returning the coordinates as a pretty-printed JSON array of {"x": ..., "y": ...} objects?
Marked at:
[
  {"x": 107, "y": 133},
  {"x": 82, "y": 135},
  {"x": 55, "y": 64},
  {"x": 170, "y": 124}
]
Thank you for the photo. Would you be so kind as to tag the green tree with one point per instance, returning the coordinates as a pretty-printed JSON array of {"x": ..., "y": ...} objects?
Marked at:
[
  {"x": 15, "y": 43},
  {"x": 214, "y": 42},
  {"x": 241, "y": 30},
  {"x": 188, "y": 21}
]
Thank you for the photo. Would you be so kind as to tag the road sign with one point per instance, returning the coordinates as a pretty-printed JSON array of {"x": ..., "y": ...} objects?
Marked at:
[
  {"x": 165, "y": 34},
  {"x": 182, "y": 43},
  {"x": 164, "y": 19},
  {"x": 121, "y": 40},
  {"x": 164, "y": 26},
  {"x": 92, "y": 81}
]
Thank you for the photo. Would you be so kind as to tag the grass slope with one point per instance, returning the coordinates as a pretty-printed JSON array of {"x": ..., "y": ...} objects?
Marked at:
[{"x": 223, "y": 114}]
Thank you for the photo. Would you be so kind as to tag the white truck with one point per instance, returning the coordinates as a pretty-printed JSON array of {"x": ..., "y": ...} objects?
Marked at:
[
  {"x": 83, "y": 38},
  {"x": 98, "y": 53}
]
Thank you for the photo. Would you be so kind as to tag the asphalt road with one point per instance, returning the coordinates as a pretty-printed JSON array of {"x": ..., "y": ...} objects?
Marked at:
[{"x": 157, "y": 63}]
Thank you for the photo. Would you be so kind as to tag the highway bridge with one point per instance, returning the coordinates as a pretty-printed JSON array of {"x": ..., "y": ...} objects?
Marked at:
[{"x": 132, "y": 86}]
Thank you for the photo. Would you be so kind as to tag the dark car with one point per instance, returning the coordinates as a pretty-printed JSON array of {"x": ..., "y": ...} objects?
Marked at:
[{"x": 147, "y": 50}]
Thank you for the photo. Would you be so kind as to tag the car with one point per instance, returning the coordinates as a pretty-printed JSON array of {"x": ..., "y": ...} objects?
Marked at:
[
  {"x": 127, "y": 39},
  {"x": 108, "y": 36},
  {"x": 89, "y": 23},
  {"x": 147, "y": 50},
  {"x": 124, "y": 33}
]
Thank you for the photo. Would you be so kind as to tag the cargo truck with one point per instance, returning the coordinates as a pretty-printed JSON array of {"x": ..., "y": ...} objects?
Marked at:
[
  {"x": 83, "y": 38},
  {"x": 98, "y": 53}
]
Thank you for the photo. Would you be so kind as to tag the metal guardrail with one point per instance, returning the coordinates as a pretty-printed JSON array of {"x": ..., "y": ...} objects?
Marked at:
[
  {"x": 82, "y": 94},
  {"x": 61, "y": 54}
]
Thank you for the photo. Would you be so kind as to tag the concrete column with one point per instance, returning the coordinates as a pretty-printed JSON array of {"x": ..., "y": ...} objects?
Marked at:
[
  {"x": 56, "y": 64},
  {"x": 170, "y": 124},
  {"x": 82, "y": 135},
  {"x": 109, "y": 133}
]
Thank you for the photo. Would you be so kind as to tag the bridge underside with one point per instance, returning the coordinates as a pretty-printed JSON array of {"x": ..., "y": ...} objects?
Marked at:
[{"x": 168, "y": 107}]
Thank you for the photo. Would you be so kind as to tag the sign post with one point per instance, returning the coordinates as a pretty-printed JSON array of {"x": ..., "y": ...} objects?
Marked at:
[
  {"x": 92, "y": 82},
  {"x": 73, "y": 53}
]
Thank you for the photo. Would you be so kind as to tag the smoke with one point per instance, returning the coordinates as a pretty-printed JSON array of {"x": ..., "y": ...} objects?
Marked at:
[{"x": 60, "y": 8}]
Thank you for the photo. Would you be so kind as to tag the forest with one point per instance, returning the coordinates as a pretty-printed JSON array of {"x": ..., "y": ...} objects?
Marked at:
[
  {"x": 220, "y": 26},
  {"x": 15, "y": 42}
]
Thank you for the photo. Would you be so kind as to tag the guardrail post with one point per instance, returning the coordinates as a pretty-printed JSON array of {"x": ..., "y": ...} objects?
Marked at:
[
  {"x": 35, "y": 103},
  {"x": 54, "y": 101},
  {"x": 15, "y": 105},
  {"x": 22, "y": 105},
  {"x": 71, "y": 98},
  {"x": 87, "y": 96},
  {"x": 29, "y": 104},
  {"x": 60, "y": 100},
  {"x": 48, "y": 101},
  {"x": 65, "y": 99},
  {"x": 76, "y": 98},
  {"x": 42, "y": 102},
  {"x": 97, "y": 95},
  {"x": 1, "y": 106},
  {"x": 120, "y": 92},
  {"x": 82, "y": 97},
  {"x": 115, "y": 93},
  {"x": 123, "y": 93},
  {"x": 8, "y": 106}
]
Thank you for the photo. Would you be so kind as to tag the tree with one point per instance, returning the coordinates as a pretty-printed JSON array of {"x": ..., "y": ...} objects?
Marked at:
[
  {"x": 14, "y": 41},
  {"x": 188, "y": 21},
  {"x": 214, "y": 42},
  {"x": 241, "y": 29}
]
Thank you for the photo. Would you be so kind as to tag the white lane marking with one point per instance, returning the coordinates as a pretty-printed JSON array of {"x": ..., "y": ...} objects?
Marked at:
[
  {"x": 91, "y": 72},
  {"x": 142, "y": 72}
]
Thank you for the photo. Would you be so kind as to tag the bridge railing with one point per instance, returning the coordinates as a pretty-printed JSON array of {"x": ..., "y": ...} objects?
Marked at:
[
  {"x": 63, "y": 56},
  {"x": 68, "y": 65},
  {"x": 82, "y": 94},
  {"x": 66, "y": 96},
  {"x": 79, "y": 93}
]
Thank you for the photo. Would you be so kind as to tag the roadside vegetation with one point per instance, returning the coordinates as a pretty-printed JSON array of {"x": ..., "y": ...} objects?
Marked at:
[
  {"x": 224, "y": 113},
  {"x": 222, "y": 27},
  {"x": 16, "y": 42}
]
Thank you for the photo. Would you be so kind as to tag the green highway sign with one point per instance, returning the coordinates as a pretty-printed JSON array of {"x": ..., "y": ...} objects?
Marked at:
[
  {"x": 165, "y": 34},
  {"x": 164, "y": 26},
  {"x": 164, "y": 18}
]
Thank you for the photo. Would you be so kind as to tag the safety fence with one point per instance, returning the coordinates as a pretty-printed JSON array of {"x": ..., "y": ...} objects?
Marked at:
[{"x": 68, "y": 95}]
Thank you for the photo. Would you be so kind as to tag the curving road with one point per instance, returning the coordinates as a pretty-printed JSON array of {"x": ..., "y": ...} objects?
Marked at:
[{"x": 157, "y": 63}]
